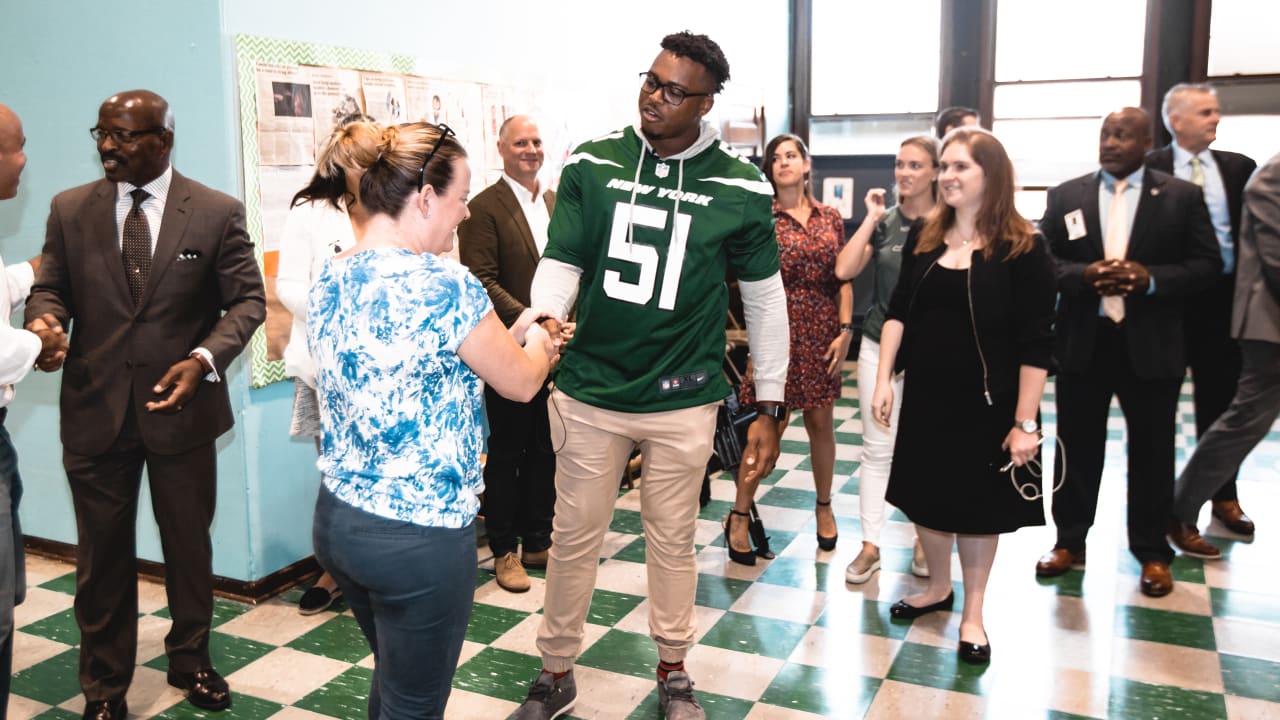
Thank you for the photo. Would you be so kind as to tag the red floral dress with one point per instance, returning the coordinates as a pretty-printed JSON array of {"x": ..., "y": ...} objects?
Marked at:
[{"x": 808, "y": 255}]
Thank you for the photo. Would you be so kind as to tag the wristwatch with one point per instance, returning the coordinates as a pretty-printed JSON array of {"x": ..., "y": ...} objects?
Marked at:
[
  {"x": 777, "y": 412},
  {"x": 1027, "y": 426}
]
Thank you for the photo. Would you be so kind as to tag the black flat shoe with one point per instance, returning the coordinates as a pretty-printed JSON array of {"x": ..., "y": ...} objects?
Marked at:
[
  {"x": 742, "y": 557},
  {"x": 902, "y": 611},
  {"x": 826, "y": 543},
  {"x": 974, "y": 654},
  {"x": 317, "y": 599}
]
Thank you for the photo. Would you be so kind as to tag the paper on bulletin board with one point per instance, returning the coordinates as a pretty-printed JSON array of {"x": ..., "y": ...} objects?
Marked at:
[
  {"x": 837, "y": 192},
  {"x": 335, "y": 98},
  {"x": 285, "y": 127}
]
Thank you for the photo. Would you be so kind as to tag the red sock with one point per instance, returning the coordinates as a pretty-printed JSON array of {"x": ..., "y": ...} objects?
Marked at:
[
  {"x": 556, "y": 675},
  {"x": 665, "y": 668}
]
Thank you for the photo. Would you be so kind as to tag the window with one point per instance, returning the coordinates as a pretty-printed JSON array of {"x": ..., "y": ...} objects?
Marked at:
[
  {"x": 1241, "y": 45},
  {"x": 1242, "y": 38},
  {"x": 877, "y": 62},
  {"x": 1059, "y": 69}
]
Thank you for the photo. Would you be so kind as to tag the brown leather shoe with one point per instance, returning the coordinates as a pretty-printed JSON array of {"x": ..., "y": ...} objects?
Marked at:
[
  {"x": 1232, "y": 516},
  {"x": 1057, "y": 561},
  {"x": 511, "y": 576},
  {"x": 1157, "y": 581},
  {"x": 536, "y": 560},
  {"x": 1190, "y": 542}
]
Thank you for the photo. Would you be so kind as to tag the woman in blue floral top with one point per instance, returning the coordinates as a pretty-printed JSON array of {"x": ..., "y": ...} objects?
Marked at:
[{"x": 402, "y": 341}]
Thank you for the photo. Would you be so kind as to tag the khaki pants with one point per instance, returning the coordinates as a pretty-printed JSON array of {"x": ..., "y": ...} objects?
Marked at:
[{"x": 593, "y": 446}]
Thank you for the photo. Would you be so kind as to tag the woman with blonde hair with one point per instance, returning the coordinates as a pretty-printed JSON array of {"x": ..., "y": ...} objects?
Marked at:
[
  {"x": 324, "y": 219},
  {"x": 878, "y": 241},
  {"x": 402, "y": 341},
  {"x": 971, "y": 323}
]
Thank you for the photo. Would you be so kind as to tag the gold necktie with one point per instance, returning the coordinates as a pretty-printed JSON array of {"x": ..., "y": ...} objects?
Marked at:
[
  {"x": 1115, "y": 245},
  {"x": 1197, "y": 171}
]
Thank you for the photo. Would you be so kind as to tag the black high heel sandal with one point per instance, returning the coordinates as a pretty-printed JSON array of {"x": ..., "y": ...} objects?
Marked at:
[
  {"x": 742, "y": 557},
  {"x": 826, "y": 543}
]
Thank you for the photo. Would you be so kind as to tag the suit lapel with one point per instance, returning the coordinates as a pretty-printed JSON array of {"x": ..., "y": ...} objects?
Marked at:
[
  {"x": 98, "y": 221},
  {"x": 509, "y": 203},
  {"x": 177, "y": 212},
  {"x": 1089, "y": 206},
  {"x": 1152, "y": 188}
]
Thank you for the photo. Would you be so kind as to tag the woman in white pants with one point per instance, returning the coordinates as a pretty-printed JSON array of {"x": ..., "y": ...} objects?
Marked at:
[{"x": 878, "y": 241}]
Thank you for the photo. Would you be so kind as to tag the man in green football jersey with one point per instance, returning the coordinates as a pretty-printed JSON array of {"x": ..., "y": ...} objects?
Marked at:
[{"x": 647, "y": 222}]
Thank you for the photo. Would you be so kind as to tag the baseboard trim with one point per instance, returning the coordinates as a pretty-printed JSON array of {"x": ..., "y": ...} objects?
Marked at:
[{"x": 246, "y": 591}]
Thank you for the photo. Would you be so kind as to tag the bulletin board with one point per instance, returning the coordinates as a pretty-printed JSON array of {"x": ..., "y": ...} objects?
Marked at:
[{"x": 293, "y": 93}]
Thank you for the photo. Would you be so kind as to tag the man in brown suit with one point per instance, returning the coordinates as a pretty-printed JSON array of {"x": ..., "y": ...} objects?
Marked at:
[
  {"x": 155, "y": 278},
  {"x": 501, "y": 243}
]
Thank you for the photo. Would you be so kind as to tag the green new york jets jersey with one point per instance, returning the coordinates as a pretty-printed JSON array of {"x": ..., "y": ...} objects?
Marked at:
[{"x": 654, "y": 248}]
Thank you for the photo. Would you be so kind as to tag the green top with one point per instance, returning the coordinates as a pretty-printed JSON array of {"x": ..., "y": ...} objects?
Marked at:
[
  {"x": 887, "y": 241},
  {"x": 654, "y": 238}
]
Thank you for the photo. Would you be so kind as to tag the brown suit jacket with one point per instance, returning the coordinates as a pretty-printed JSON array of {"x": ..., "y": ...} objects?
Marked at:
[
  {"x": 204, "y": 290},
  {"x": 497, "y": 246}
]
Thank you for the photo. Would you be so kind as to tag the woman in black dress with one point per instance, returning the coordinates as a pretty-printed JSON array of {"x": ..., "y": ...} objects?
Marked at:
[{"x": 971, "y": 324}]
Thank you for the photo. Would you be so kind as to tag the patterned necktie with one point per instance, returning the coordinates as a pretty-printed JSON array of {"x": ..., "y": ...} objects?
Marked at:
[
  {"x": 136, "y": 249},
  {"x": 1197, "y": 171},
  {"x": 1115, "y": 245}
]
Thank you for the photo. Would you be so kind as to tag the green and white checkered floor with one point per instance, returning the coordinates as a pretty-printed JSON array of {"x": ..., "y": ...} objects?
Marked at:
[{"x": 785, "y": 640}]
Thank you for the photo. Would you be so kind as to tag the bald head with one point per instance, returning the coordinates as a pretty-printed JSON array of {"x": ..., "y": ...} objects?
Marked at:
[
  {"x": 12, "y": 156},
  {"x": 1124, "y": 141},
  {"x": 135, "y": 136},
  {"x": 520, "y": 145}
]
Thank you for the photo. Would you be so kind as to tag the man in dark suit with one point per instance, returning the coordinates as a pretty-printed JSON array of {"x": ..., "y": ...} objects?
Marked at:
[
  {"x": 1191, "y": 114},
  {"x": 1255, "y": 322},
  {"x": 155, "y": 277},
  {"x": 501, "y": 243},
  {"x": 1132, "y": 244}
]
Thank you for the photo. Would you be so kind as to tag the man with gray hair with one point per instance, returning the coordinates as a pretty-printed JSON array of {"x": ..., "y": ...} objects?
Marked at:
[{"x": 1191, "y": 114}]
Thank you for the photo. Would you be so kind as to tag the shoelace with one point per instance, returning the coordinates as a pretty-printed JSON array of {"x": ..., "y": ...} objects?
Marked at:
[{"x": 682, "y": 693}]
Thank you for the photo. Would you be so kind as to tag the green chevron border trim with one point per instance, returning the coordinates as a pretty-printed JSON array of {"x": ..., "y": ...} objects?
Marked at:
[{"x": 251, "y": 50}]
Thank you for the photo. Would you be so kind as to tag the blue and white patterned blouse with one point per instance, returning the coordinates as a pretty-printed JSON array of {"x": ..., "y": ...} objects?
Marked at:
[{"x": 399, "y": 410}]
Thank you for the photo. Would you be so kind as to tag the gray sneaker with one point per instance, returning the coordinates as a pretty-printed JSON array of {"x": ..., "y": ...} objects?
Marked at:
[
  {"x": 549, "y": 698},
  {"x": 675, "y": 697}
]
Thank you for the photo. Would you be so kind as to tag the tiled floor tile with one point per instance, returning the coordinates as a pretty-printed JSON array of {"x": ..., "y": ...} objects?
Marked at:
[
  {"x": 53, "y": 681},
  {"x": 606, "y": 694},
  {"x": 621, "y": 652},
  {"x": 1239, "y": 708},
  {"x": 31, "y": 650},
  {"x": 830, "y": 692},
  {"x": 40, "y": 603},
  {"x": 783, "y": 603},
  {"x": 344, "y": 696},
  {"x": 756, "y": 635},
  {"x": 273, "y": 623},
  {"x": 1162, "y": 664},
  {"x": 897, "y": 700},
  {"x": 1247, "y": 638},
  {"x": 285, "y": 675},
  {"x": 339, "y": 638},
  {"x": 863, "y": 655},
  {"x": 731, "y": 673},
  {"x": 1142, "y": 701},
  {"x": 498, "y": 673},
  {"x": 1176, "y": 628},
  {"x": 1251, "y": 678}
]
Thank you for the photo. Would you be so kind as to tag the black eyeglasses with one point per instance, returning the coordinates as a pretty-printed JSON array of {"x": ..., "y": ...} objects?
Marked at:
[
  {"x": 445, "y": 131},
  {"x": 122, "y": 137},
  {"x": 671, "y": 94}
]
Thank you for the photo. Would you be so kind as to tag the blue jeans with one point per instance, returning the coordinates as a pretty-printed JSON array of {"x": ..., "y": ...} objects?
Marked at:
[
  {"x": 13, "y": 567},
  {"x": 410, "y": 588}
]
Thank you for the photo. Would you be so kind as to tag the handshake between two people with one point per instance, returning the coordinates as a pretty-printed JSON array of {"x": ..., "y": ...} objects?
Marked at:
[
  {"x": 543, "y": 329},
  {"x": 53, "y": 342}
]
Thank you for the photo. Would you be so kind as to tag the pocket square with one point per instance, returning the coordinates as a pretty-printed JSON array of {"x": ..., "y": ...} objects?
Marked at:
[{"x": 188, "y": 254}]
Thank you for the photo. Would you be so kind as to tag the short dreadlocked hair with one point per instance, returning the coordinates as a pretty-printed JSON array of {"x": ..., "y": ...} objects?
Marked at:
[{"x": 702, "y": 50}]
